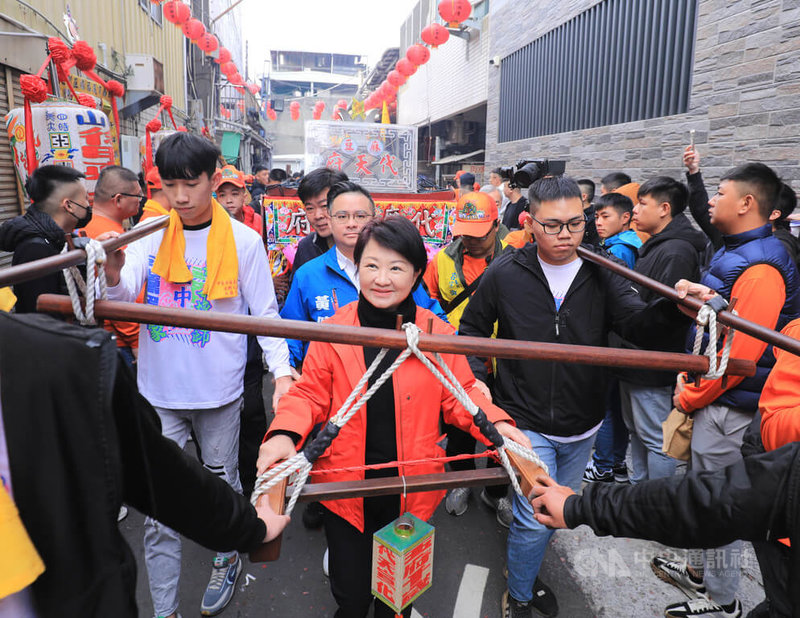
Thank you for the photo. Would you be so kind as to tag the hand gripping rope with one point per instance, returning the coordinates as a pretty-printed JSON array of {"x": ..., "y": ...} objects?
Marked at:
[
  {"x": 707, "y": 316},
  {"x": 95, "y": 261},
  {"x": 303, "y": 461}
]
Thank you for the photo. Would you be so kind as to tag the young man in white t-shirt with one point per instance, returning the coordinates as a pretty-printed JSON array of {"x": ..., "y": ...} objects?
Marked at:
[
  {"x": 193, "y": 378},
  {"x": 545, "y": 292}
]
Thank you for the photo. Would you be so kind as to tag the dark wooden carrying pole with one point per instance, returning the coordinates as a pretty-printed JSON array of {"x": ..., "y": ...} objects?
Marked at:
[
  {"x": 384, "y": 338},
  {"x": 723, "y": 317},
  {"x": 45, "y": 266}
]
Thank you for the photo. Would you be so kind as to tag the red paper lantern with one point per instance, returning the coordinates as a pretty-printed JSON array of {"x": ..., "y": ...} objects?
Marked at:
[
  {"x": 418, "y": 54},
  {"x": 176, "y": 12},
  {"x": 193, "y": 29},
  {"x": 224, "y": 56},
  {"x": 388, "y": 89},
  {"x": 396, "y": 78},
  {"x": 228, "y": 68},
  {"x": 253, "y": 88},
  {"x": 341, "y": 103},
  {"x": 435, "y": 35},
  {"x": 406, "y": 67},
  {"x": 272, "y": 114},
  {"x": 236, "y": 79},
  {"x": 294, "y": 106},
  {"x": 208, "y": 43},
  {"x": 454, "y": 11}
]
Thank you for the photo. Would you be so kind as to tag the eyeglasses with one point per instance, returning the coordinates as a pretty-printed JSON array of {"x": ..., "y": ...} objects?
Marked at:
[
  {"x": 84, "y": 206},
  {"x": 555, "y": 227},
  {"x": 359, "y": 217},
  {"x": 139, "y": 196}
]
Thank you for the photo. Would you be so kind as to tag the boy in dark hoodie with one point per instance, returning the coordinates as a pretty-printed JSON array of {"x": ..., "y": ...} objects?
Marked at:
[{"x": 672, "y": 252}]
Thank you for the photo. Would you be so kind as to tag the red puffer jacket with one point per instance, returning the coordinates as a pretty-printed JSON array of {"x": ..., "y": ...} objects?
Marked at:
[{"x": 331, "y": 371}]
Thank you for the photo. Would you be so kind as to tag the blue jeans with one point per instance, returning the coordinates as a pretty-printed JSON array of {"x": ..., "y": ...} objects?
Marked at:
[
  {"x": 644, "y": 409},
  {"x": 217, "y": 431},
  {"x": 527, "y": 538},
  {"x": 612, "y": 439}
]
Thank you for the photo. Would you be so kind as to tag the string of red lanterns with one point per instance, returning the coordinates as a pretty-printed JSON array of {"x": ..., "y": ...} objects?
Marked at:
[{"x": 451, "y": 11}]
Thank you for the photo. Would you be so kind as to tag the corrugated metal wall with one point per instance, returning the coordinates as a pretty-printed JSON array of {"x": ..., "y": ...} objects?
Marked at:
[
  {"x": 10, "y": 97},
  {"x": 620, "y": 61}
]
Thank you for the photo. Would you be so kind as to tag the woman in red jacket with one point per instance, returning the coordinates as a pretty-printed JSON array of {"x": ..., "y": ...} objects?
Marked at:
[{"x": 400, "y": 421}]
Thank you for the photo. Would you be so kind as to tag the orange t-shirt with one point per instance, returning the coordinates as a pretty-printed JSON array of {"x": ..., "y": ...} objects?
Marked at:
[
  {"x": 761, "y": 293},
  {"x": 127, "y": 332}
]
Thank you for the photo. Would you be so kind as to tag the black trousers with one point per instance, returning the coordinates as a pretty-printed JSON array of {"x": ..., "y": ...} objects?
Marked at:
[
  {"x": 253, "y": 417},
  {"x": 774, "y": 559},
  {"x": 350, "y": 559},
  {"x": 460, "y": 442}
]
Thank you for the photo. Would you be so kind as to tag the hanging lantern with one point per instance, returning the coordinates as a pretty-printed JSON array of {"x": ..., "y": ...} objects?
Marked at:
[
  {"x": 406, "y": 67},
  {"x": 396, "y": 78},
  {"x": 176, "y": 12},
  {"x": 341, "y": 103},
  {"x": 454, "y": 11},
  {"x": 236, "y": 79},
  {"x": 402, "y": 561},
  {"x": 272, "y": 114},
  {"x": 224, "y": 56},
  {"x": 435, "y": 35},
  {"x": 208, "y": 43},
  {"x": 418, "y": 54},
  {"x": 228, "y": 68},
  {"x": 193, "y": 29},
  {"x": 253, "y": 88},
  {"x": 294, "y": 108}
]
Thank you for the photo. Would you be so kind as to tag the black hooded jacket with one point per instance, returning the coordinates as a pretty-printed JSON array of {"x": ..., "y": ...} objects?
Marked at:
[
  {"x": 673, "y": 254},
  {"x": 33, "y": 236},
  {"x": 558, "y": 399}
]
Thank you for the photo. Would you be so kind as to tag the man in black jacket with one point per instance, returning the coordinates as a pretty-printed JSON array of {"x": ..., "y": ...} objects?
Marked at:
[
  {"x": 673, "y": 252},
  {"x": 59, "y": 205},
  {"x": 755, "y": 499},
  {"x": 545, "y": 292},
  {"x": 81, "y": 441}
]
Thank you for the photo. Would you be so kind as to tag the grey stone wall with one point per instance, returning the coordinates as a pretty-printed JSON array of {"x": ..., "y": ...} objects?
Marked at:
[{"x": 744, "y": 105}]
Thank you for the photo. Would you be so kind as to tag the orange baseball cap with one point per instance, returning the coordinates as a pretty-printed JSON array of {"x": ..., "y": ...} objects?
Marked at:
[
  {"x": 475, "y": 214},
  {"x": 153, "y": 178},
  {"x": 232, "y": 175}
]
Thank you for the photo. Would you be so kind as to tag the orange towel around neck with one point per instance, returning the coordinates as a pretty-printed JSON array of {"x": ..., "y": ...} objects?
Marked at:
[
  {"x": 222, "y": 263},
  {"x": 152, "y": 208}
]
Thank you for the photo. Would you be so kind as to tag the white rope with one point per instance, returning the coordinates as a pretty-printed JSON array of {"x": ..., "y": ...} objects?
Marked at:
[
  {"x": 707, "y": 318},
  {"x": 95, "y": 268},
  {"x": 300, "y": 464}
]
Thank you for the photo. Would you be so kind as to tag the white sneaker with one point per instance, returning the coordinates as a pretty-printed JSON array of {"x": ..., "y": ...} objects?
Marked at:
[
  {"x": 123, "y": 513},
  {"x": 680, "y": 575},
  {"x": 703, "y": 607}
]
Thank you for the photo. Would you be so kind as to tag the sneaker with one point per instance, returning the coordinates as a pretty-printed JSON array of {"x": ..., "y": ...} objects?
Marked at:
[
  {"x": 221, "y": 586},
  {"x": 325, "y": 563},
  {"x": 511, "y": 608},
  {"x": 593, "y": 475},
  {"x": 620, "y": 473},
  {"x": 312, "y": 515},
  {"x": 123, "y": 513},
  {"x": 544, "y": 601},
  {"x": 457, "y": 501},
  {"x": 680, "y": 575},
  {"x": 703, "y": 607},
  {"x": 501, "y": 506}
]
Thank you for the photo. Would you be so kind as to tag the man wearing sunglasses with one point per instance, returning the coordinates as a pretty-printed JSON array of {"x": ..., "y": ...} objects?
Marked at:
[
  {"x": 546, "y": 292},
  {"x": 117, "y": 196}
]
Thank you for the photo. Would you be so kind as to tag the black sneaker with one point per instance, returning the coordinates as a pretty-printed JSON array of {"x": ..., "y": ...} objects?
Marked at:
[
  {"x": 511, "y": 608},
  {"x": 703, "y": 607},
  {"x": 621, "y": 473},
  {"x": 544, "y": 601},
  {"x": 312, "y": 515},
  {"x": 593, "y": 475}
]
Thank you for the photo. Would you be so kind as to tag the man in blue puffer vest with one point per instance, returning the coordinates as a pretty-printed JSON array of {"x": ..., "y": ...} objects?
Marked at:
[{"x": 753, "y": 267}]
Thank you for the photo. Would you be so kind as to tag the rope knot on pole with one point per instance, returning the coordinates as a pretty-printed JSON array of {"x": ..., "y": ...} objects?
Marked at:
[
  {"x": 95, "y": 272},
  {"x": 707, "y": 318}
]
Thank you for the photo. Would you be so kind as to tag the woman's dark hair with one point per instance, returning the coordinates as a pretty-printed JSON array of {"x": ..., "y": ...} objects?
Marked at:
[
  {"x": 398, "y": 234},
  {"x": 184, "y": 156},
  {"x": 46, "y": 179},
  {"x": 348, "y": 186}
]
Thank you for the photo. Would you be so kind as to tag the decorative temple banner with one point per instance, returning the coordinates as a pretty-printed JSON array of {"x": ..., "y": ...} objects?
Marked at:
[
  {"x": 85, "y": 85},
  {"x": 64, "y": 134},
  {"x": 380, "y": 157},
  {"x": 286, "y": 223}
]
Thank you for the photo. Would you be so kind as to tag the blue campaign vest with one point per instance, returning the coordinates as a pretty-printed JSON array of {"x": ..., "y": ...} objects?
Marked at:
[{"x": 740, "y": 252}]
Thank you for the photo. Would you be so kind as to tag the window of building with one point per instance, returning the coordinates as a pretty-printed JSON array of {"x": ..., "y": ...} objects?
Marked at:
[
  {"x": 153, "y": 10},
  {"x": 619, "y": 61}
]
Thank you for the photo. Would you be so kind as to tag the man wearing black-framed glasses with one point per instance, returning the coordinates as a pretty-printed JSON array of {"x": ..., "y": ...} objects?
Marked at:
[
  {"x": 117, "y": 196},
  {"x": 545, "y": 292}
]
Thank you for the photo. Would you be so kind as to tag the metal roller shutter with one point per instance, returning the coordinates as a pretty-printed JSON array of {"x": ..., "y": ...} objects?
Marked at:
[{"x": 9, "y": 186}]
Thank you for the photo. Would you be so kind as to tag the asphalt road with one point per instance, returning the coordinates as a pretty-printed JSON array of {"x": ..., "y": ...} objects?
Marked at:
[{"x": 468, "y": 582}]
